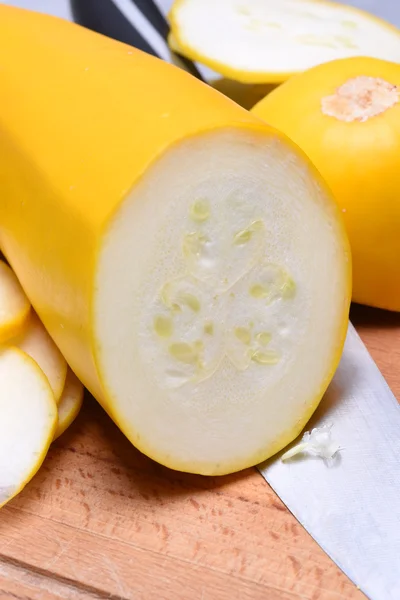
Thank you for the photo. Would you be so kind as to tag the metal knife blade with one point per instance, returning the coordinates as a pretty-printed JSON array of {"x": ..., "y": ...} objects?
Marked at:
[{"x": 351, "y": 506}]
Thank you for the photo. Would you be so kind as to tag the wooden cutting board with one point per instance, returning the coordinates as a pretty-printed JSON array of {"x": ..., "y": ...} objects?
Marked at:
[{"x": 100, "y": 520}]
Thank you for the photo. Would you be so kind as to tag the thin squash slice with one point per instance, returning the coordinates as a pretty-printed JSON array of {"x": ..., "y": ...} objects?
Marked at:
[
  {"x": 28, "y": 421},
  {"x": 265, "y": 41},
  {"x": 70, "y": 403},
  {"x": 14, "y": 305}
]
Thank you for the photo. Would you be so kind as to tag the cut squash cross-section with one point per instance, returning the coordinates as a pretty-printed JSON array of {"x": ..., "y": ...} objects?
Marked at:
[
  {"x": 14, "y": 305},
  {"x": 37, "y": 343},
  {"x": 70, "y": 403},
  {"x": 232, "y": 314},
  {"x": 28, "y": 421},
  {"x": 261, "y": 41},
  {"x": 204, "y": 300}
]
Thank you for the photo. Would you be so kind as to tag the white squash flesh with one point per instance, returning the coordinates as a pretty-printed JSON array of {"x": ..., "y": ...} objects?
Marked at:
[
  {"x": 70, "y": 403},
  {"x": 37, "y": 343},
  {"x": 220, "y": 312},
  {"x": 28, "y": 420},
  {"x": 268, "y": 40},
  {"x": 14, "y": 305}
]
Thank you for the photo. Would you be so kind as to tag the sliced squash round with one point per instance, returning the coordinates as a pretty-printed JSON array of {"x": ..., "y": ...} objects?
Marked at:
[
  {"x": 262, "y": 41},
  {"x": 28, "y": 421},
  {"x": 37, "y": 343},
  {"x": 70, "y": 403},
  {"x": 14, "y": 305}
]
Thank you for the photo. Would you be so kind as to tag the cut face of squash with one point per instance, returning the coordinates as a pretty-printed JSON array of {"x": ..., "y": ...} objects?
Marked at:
[
  {"x": 346, "y": 116},
  {"x": 268, "y": 40},
  {"x": 70, "y": 403},
  {"x": 14, "y": 305},
  {"x": 28, "y": 421},
  {"x": 37, "y": 343},
  {"x": 222, "y": 331}
]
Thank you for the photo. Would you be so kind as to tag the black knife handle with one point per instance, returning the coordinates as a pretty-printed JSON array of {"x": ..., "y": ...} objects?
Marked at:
[{"x": 105, "y": 16}]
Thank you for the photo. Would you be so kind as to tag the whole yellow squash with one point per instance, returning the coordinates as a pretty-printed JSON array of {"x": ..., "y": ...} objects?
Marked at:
[{"x": 345, "y": 115}]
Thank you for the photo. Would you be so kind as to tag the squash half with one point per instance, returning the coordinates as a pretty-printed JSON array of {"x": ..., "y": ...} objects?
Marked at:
[
  {"x": 186, "y": 258},
  {"x": 346, "y": 116}
]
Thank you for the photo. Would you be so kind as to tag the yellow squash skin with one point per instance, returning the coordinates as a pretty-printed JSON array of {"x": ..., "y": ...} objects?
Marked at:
[
  {"x": 360, "y": 161},
  {"x": 82, "y": 119},
  {"x": 75, "y": 106}
]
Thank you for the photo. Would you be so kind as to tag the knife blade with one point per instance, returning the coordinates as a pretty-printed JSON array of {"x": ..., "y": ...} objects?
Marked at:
[{"x": 350, "y": 505}]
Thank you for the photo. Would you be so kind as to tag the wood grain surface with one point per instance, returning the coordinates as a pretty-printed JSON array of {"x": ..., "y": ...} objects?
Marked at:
[{"x": 100, "y": 520}]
